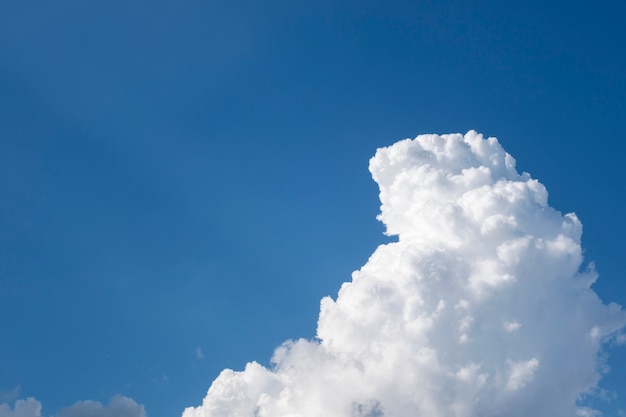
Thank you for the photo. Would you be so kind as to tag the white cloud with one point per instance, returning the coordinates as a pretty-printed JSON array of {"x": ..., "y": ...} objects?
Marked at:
[
  {"x": 480, "y": 309},
  {"x": 521, "y": 373},
  {"x": 29, "y": 407},
  {"x": 118, "y": 406},
  {"x": 511, "y": 326}
]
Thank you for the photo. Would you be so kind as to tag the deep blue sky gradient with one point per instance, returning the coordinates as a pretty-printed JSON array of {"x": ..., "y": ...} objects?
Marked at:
[{"x": 194, "y": 174}]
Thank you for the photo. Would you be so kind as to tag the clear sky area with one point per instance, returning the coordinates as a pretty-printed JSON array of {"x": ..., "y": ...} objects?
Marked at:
[{"x": 182, "y": 182}]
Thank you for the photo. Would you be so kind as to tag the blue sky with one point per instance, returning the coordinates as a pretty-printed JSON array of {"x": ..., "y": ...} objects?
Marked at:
[{"x": 184, "y": 175}]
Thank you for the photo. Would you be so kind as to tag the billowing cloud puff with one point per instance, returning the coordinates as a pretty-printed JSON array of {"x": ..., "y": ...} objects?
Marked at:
[{"x": 482, "y": 308}]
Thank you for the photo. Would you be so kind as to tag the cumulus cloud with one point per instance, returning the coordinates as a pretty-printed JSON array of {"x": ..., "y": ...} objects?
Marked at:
[
  {"x": 482, "y": 308},
  {"x": 29, "y": 407},
  {"x": 118, "y": 406}
]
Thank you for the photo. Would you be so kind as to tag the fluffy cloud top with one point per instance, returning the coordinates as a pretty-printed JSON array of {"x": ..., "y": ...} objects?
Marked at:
[{"x": 482, "y": 307}]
